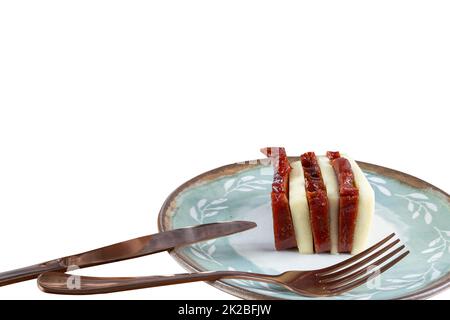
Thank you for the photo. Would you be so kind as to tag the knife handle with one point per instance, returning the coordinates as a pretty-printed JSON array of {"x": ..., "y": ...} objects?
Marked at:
[
  {"x": 31, "y": 272},
  {"x": 64, "y": 283}
]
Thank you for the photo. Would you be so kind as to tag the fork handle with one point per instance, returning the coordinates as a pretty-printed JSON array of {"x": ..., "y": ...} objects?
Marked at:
[
  {"x": 63, "y": 283},
  {"x": 31, "y": 272}
]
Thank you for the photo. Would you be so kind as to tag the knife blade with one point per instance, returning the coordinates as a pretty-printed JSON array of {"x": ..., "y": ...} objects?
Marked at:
[{"x": 129, "y": 249}]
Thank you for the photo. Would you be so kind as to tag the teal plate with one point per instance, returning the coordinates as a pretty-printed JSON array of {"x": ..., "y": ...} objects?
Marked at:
[{"x": 416, "y": 211}]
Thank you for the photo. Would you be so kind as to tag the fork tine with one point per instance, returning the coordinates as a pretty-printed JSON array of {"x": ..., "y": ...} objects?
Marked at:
[
  {"x": 360, "y": 281},
  {"x": 341, "y": 281},
  {"x": 354, "y": 258},
  {"x": 331, "y": 276}
]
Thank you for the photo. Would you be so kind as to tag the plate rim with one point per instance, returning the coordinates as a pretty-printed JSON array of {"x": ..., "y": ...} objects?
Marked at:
[{"x": 226, "y": 170}]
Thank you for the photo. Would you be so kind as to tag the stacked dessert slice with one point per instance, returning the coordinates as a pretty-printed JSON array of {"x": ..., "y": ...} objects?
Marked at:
[{"x": 320, "y": 203}]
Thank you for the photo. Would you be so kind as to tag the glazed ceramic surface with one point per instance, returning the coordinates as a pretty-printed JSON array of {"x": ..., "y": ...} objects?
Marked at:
[{"x": 415, "y": 210}]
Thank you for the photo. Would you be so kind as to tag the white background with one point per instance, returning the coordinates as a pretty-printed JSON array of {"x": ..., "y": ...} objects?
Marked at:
[{"x": 107, "y": 106}]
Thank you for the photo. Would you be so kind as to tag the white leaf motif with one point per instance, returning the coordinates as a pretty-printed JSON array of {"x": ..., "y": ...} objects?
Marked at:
[
  {"x": 418, "y": 284},
  {"x": 416, "y": 215},
  {"x": 398, "y": 281},
  {"x": 219, "y": 201},
  {"x": 435, "y": 275},
  {"x": 409, "y": 276},
  {"x": 193, "y": 213},
  {"x": 429, "y": 250},
  {"x": 211, "y": 250},
  {"x": 258, "y": 188},
  {"x": 419, "y": 196},
  {"x": 391, "y": 288},
  {"x": 431, "y": 206},
  {"x": 244, "y": 189},
  {"x": 247, "y": 178},
  {"x": 384, "y": 190},
  {"x": 211, "y": 214},
  {"x": 435, "y": 257},
  {"x": 217, "y": 208},
  {"x": 262, "y": 182},
  {"x": 434, "y": 242},
  {"x": 198, "y": 254},
  {"x": 411, "y": 207},
  {"x": 228, "y": 184},
  {"x": 201, "y": 203},
  {"x": 428, "y": 218},
  {"x": 377, "y": 180}
]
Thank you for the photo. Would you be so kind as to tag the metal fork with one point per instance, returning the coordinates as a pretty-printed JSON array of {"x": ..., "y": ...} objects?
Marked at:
[{"x": 329, "y": 281}]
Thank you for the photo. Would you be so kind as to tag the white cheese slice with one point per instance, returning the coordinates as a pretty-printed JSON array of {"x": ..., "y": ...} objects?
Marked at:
[
  {"x": 331, "y": 183},
  {"x": 366, "y": 208},
  {"x": 300, "y": 209}
]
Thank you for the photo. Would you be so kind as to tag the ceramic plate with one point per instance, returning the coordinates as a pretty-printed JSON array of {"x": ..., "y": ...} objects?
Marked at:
[{"x": 418, "y": 212}]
